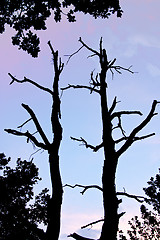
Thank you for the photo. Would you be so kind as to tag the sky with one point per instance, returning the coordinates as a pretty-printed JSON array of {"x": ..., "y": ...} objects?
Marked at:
[{"x": 132, "y": 40}]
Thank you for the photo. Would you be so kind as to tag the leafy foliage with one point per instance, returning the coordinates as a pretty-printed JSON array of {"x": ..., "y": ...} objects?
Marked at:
[
  {"x": 24, "y": 15},
  {"x": 18, "y": 218},
  {"x": 148, "y": 227},
  {"x": 153, "y": 192}
]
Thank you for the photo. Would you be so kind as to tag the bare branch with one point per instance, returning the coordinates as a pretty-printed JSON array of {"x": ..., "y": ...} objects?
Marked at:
[
  {"x": 85, "y": 187},
  {"x": 140, "y": 199},
  {"x": 95, "y": 81},
  {"x": 90, "y": 49},
  {"x": 78, "y": 237},
  {"x": 135, "y": 138},
  {"x": 28, "y": 135},
  {"x": 113, "y": 105},
  {"x": 84, "y": 142},
  {"x": 132, "y": 135},
  {"x": 119, "y": 68},
  {"x": 120, "y": 126},
  {"x": 55, "y": 56},
  {"x": 35, "y": 120},
  {"x": 80, "y": 86},
  {"x": 52, "y": 50},
  {"x": 29, "y": 81},
  {"x": 119, "y": 114},
  {"x": 92, "y": 223}
]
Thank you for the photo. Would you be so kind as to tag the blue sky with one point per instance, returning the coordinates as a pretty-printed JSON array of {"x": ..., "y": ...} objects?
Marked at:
[{"x": 133, "y": 40}]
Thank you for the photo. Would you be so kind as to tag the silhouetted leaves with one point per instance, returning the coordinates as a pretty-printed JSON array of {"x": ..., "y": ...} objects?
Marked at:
[
  {"x": 153, "y": 192},
  {"x": 25, "y": 16},
  {"x": 148, "y": 227},
  {"x": 18, "y": 219}
]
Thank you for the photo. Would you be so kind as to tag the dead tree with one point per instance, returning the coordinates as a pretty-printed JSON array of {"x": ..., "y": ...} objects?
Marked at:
[
  {"x": 98, "y": 85},
  {"x": 55, "y": 202}
]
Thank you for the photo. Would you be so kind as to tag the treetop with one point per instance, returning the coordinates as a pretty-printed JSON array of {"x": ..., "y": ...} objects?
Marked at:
[{"x": 25, "y": 16}]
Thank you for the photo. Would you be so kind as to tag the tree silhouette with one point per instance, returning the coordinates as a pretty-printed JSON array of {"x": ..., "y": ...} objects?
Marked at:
[
  {"x": 54, "y": 203},
  {"x": 112, "y": 148},
  {"x": 148, "y": 227},
  {"x": 18, "y": 218},
  {"x": 24, "y": 15}
]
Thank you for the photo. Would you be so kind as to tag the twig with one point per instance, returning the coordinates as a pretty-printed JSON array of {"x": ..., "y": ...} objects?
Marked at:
[
  {"x": 113, "y": 105},
  {"x": 34, "y": 153},
  {"x": 71, "y": 55},
  {"x": 92, "y": 223},
  {"x": 24, "y": 123}
]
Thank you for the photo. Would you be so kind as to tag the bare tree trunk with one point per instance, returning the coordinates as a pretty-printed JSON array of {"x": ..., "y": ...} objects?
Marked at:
[
  {"x": 111, "y": 155},
  {"x": 110, "y": 201},
  {"x": 54, "y": 204}
]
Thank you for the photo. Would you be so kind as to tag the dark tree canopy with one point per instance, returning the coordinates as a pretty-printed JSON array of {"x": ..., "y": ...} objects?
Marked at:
[
  {"x": 18, "y": 218},
  {"x": 24, "y": 16},
  {"x": 153, "y": 192},
  {"x": 148, "y": 226}
]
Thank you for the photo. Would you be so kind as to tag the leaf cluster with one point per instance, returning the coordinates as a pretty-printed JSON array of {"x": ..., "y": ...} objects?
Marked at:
[
  {"x": 148, "y": 227},
  {"x": 95, "y": 8},
  {"x": 153, "y": 192},
  {"x": 18, "y": 218},
  {"x": 25, "y": 16}
]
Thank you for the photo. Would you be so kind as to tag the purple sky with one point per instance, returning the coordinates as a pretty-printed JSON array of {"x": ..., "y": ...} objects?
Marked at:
[{"x": 133, "y": 40}]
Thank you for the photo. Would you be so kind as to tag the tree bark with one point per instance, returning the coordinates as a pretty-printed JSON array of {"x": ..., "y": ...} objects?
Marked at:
[
  {"x": 98, "y": 85},
  {"x": 110, "y": 201},
  {"x": 54, "y": 204}
]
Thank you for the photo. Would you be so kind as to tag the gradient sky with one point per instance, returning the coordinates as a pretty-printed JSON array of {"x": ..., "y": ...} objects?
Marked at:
[{"x": 133, "y": 40}]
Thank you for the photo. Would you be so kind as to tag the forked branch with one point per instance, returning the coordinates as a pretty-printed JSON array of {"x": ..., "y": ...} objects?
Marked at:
[
  {"x": 85, "y": 188},
  {"x": 29, "y": 137},
  {"x": 90, "y": 49},
  {"x": 36, "y": 122},
  {"x": 139, "y": 199},
  {"x": 120, "y": 113},
  {"x": 84, "y": 142},
  {"x": 71, "y": 55},
  {"x": 135, "y": 138},
  {"x": 136, "y": 130},
  {"x": 29, "y": 81},
  {"x": 57, "y": 67}
]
